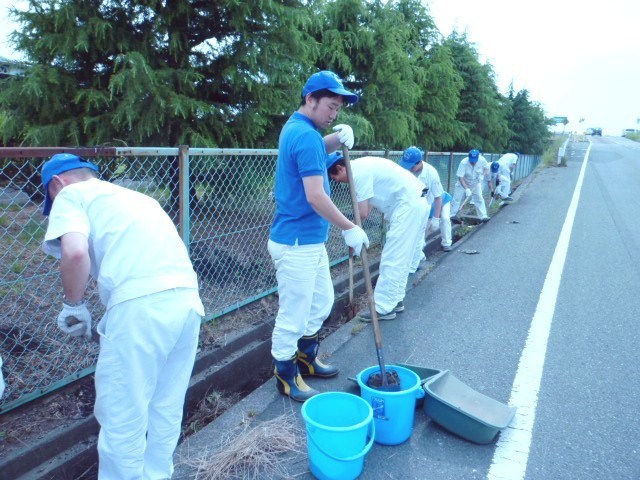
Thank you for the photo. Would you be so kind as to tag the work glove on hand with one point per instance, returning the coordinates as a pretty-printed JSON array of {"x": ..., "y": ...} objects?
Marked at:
[
  {"x": 345, "y": 135},
  {"x": 434, "y": 224},
  {"x": 467, "y": 192},
  {"x": 355, "y": 238},
  {"x": 75, "y": 320}
]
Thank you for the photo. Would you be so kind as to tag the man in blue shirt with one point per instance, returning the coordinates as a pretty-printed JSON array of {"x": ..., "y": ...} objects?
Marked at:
[{"x": 300, "y": 229}]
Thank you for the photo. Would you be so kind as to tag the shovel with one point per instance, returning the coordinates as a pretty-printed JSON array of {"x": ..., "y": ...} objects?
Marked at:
[
  {"x": 457, "y": 216},
  {"x": 492, "y": 199},
  {"x": 385, "y": 380},
  {"x": 351, "y": 306},
  {"x": 494, "y": 193}
]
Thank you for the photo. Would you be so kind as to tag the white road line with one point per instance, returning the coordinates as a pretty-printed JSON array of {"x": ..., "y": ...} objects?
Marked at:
[{"x": 512, "y": 450}]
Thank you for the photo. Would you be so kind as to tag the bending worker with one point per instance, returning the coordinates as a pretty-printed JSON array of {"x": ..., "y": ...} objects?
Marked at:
[
  {"x": 300, "y": 229},
  {"x": 471, "y": 173},
  {"x": 440, "y": 201},
  {"x": 149, "y": 332},
  {"x": 506, "y": 166},
  {"x": 383, "y": 184}
]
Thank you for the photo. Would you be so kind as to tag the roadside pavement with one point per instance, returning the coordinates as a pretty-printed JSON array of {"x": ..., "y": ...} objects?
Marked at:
[{"x": 412, "y": 338}]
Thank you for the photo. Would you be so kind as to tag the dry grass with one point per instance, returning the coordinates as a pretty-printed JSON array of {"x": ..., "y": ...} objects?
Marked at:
[{"x": 255, "y": 452}]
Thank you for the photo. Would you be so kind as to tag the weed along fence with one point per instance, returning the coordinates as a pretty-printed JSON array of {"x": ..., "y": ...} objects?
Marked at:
[{"x": 221, "y": 201}]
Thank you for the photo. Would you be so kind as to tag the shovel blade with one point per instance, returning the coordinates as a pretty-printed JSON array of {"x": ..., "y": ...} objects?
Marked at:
[{"x": 392, "y": 383}]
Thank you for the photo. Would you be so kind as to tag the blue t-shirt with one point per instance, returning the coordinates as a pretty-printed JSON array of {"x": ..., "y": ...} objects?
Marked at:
[
  {"x": 301, "y": 153},
  {"x": 446, "y": 198}
]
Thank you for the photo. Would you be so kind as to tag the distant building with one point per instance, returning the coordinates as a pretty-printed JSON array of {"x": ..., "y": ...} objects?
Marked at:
[{"x": 10, "y": 67}]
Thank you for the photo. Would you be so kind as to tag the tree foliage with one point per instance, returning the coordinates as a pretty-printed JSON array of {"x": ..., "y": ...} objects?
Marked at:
[
  {"x": 482, "y": 109},
  {"x": 528, "y": 124},
  {"x": 228, "y": 73},
  {"x": 155, "y": 72},
  {"x": 440, "y": 102}
]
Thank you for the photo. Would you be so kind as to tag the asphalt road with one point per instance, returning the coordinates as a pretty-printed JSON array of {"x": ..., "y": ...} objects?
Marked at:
[{"x": 543, "y": 317}]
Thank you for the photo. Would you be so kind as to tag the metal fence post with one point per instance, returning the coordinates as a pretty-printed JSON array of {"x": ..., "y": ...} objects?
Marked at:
[
  {"x": 450, "y": 172},
  {"x": 184, "y": 188}
]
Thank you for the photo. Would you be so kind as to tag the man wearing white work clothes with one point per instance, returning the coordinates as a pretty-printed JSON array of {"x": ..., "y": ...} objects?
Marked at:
[
  {"x": 471, "y": 173},
  {"x": 507, "y": 164},
  {"x": 383, "y": 184},
  {"x": 440, "y": 201},
  {"x": 149, "y": 332},
  {"x": 300, "y": 229}
]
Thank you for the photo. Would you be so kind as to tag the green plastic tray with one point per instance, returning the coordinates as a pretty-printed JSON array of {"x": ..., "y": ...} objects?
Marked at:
[
  {"x": 458, "y": 408},
  {"x": 425, "y": 373}
]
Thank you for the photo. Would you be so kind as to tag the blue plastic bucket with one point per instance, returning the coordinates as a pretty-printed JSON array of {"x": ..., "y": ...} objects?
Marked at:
[
  {"x": 340, "y": 433},
  {"x": 393, "y": 412}
]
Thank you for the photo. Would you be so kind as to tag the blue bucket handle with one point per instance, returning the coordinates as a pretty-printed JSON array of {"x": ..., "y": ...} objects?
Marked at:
[{"x": 365, "y": 450}]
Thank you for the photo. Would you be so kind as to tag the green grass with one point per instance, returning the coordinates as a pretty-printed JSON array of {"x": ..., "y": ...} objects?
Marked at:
[
  {"x": 550, "y": 155},
  {"x": 18, "y": 267},
  {"x": 16, "y": 288},
  {"x": 633, "y": 136},
  {"x": 357, "y": 328},
  {"x": 5, "y": 220},
  {"x": 33, "y": 231},
  {"x": 462, "y": 230},
  {"x": 11, "y": 208}
]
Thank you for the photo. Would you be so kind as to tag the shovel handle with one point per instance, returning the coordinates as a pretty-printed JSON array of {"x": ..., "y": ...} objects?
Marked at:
[
  {"x": 365, "y": 265},
  {"x": 351, "y": 276}
]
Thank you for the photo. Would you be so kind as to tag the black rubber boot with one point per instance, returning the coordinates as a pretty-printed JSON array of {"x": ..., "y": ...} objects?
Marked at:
[
  {"x": 308, "y": 363},
  {"x": 290, "y": 382}
]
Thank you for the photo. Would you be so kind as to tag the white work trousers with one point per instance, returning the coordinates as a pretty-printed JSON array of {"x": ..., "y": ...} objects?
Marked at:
[
  {"x": 445, "y": 225},
  {"x": 504, "y": 187},
  {"x": 419, "y": 255},
  {"x": 476, "y": 197},
  {"x": 147, "y": 350},
  {"x": 305, "y": 294},
  {"x": 406, "y": 234}
]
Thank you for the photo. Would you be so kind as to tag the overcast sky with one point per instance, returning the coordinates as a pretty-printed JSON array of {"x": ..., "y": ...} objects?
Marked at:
[{"x": 577, "y": 59}]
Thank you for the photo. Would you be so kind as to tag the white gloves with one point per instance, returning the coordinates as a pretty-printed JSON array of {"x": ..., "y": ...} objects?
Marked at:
[
  {"x": 467, "y": 192},
  {"x": 434, "y": 224},
  {"x": 345, "y": 135},
  {"x": 75, "y": 320},
  {"x": 355, "y": 238}
]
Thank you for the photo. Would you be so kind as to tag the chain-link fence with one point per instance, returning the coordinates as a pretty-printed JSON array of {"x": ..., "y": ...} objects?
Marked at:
[{"x": 221, "y": 201}]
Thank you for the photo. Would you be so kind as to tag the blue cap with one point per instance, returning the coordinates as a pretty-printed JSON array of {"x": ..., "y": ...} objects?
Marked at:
[
  {"x": 333, "y": 158},
  {"x": 410, "y": 157},
  {"x": 329, "y": 81},
  {"x": 474, "y": 154},
  {"x": 60, "y": 163},
  {"x": 495, "y": 166}
]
